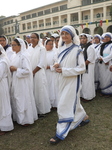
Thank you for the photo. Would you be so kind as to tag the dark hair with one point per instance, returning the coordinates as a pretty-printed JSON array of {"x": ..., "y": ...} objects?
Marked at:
[
  {"x": 3, "y": 36},
  {"x": 83, "y": 35},
  {"x": 48, "y": 41},
  {"x": 26, "y": 43},
  {"x": 36, "y": 35},
  {"x": 15, "y": 40},
  {"x": 57, "y": 37}
]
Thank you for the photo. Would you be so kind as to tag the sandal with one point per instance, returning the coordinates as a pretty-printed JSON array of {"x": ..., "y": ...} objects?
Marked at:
[
  {"x": 56, "y": 140},
  {"x": 83, "y": 123}
]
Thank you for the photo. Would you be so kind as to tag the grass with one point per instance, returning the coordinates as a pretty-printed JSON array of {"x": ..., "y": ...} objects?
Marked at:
[{"x": 97, "y": 135}]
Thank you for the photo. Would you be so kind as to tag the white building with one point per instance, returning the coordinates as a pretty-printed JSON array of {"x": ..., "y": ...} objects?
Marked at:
[{"x": 89, "y": 16}]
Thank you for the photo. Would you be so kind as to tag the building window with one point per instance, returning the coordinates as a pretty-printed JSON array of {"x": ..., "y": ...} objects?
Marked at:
[
  {"x": 97, "y": 1},
  {"x": 34, "y": 15},
  {"x": 5, "y": 23},
  {"x": 23, "y": 18},
  {"x": 40, "y": 13},
  {"x": 86, "y": 2},
  {"x": 63, "y": 7},
  {"x": 86, "y": 17},
  {"x": 48, "y": 24},
  {"x": 11, "y": 21},
  {"x": 47, "y": 11},
  {"x": 28, "y": 17},
  {"x": 55, "y": 9}
]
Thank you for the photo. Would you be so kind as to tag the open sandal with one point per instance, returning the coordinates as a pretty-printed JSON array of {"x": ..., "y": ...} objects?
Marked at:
[
  {"x": 55, "y": 140},
  {"x": 83, "y": 123}
]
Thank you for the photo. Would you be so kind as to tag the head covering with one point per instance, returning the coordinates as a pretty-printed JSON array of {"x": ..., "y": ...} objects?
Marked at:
[
  {"x": 72, "y": 32},
  {"x": 108, "y": 34},
  {"x": 55, "y": 35},
  {"x": 28, "y": 36},
  {"x": 48, "y": 39},
  {"x": 22, "y": 43},
  {"x": 97, "y": 36}
]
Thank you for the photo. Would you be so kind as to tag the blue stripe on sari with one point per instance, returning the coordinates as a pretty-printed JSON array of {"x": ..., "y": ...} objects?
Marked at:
[{"x": 66, "y": 52}]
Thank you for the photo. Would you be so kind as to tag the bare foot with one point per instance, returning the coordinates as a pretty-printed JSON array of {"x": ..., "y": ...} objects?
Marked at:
[{"x": 87, "y": 117}]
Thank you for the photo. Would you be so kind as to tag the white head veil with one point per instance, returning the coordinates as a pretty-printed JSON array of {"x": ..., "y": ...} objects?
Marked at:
[
  {"x": 23, "y": 46},
  {"x": 72, "y": 32}
]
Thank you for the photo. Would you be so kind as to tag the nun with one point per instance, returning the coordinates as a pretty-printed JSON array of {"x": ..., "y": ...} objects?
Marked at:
[
  {"x": 105, "y": 57},
  {"x": 96, "y": 45},
  {"x": 7, "y": 47},
  {"x": 88, "y": 86},
  {"x": 22, "y": 98},
  {"x": 6, "y": 123},
  {"x": 70, "y": 66}
]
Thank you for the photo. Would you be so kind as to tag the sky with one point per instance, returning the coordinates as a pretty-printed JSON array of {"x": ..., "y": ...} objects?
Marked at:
[{"x": 14, "y": 7}]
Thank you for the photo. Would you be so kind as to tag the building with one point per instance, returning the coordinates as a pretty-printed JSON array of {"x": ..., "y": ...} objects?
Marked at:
[{"x": 88, "y": 16}]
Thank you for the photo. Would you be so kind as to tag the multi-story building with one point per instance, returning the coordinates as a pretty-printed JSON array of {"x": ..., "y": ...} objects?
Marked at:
[{"x": 88, "y": 16}]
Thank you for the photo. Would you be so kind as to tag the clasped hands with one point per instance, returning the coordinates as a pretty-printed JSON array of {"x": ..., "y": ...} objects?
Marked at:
[
  {"x": 12, "y": 68},
  {"x": 57, "y": 69}
]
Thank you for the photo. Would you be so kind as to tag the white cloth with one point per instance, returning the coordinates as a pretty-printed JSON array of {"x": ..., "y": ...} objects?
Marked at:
[
  {"x": 38, "y": 58},
  {"x": 88, "y": 87},
  {"x": 51, "y": 77},
  {"x": 10, "y": 53},
  {"x": 69, "y": 99},
  {"x": 96, "y": 70},
  {"x": 22, "y": 98},
  {"x": 6, "y": 123},
  {"x": 105, "y": 76}
]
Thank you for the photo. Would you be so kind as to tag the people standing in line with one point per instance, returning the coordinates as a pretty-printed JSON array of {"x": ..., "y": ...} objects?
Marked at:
[
  {"x": 50, "y": 72},
  {"x": 105, "y": 57},
  {"x": 6, "y": 46},
  {"x": 6, "y": 123},
  {"x": 69, "y": 68},
  {"x": 88, "y": 86},
  {"x": 22, "y": 99},
  {"x": 38, "y": 62}
]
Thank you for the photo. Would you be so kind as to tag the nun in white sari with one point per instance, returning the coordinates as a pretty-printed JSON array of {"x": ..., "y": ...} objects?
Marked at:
[
  {"x": 38, "y": 61},
  {"x": 6, "y": 123},
  {"x": 105, "y": 57},
  {"x": 88, "y": 86},
  {"x": 22, "y": 98},
  {"x": 71, "y": 65}
]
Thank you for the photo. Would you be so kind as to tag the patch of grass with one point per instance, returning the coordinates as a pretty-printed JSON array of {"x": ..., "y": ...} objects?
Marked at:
[{"x": 97, "y": 135}]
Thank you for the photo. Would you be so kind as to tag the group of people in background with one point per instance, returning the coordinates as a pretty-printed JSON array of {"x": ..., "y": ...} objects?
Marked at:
[{"x": 38, "y": 75}]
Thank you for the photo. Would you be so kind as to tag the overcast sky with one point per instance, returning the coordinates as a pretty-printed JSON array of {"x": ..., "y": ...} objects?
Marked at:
[{"x": 14, "y": 7}]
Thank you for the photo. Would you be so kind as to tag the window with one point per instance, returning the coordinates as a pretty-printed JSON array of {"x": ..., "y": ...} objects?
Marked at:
[
  {"x": 96, "y": 1},
  {"x": 23, "y": 18},
  {"x": 47, "y": 11},
  {"x": 63, "y": 7},
  {"x": 55, "y": 9},
  {"x": 40, "y": 13},
  {"x": 86, "y": 2},
  {"x": 48, "y": 24},
  {"x": 86, "y": 17},
  {"x": 28, "y": 17},
  {"x": 11, "y": 21},
  {"x": 34, "y": 15},
  {"x": 5, "y": 23}
]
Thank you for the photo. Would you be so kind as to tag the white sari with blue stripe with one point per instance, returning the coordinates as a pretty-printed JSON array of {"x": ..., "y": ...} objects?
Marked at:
[{"x": 70, "y": 111}]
